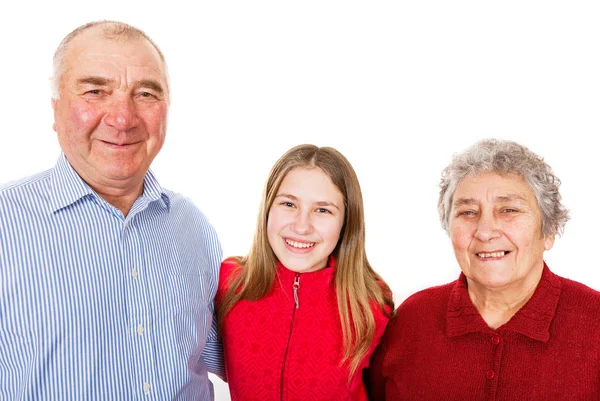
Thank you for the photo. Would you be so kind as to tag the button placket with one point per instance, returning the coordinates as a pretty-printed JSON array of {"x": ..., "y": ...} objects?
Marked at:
[
  {"x": 495, "y": 339},
  {"x": 492, "y": 372},
  {"x": 138, "y": 309}
]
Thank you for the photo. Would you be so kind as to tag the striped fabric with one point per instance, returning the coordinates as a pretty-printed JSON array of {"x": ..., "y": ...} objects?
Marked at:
[{"x": 95, "y": 306}]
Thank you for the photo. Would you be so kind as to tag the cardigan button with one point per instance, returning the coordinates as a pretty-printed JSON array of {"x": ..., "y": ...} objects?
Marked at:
[
  {"x": 495, "y": 339},
  {"x": 490, "y": 374}
]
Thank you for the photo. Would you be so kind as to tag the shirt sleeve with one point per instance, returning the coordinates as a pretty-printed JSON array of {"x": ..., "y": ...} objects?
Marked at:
[{"x": 212, "y": 354}]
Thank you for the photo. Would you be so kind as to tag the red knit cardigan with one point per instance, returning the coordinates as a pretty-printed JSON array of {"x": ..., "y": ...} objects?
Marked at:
[
  {"x": 286, "y": 348},
  {"x": 438, "y": 347}
]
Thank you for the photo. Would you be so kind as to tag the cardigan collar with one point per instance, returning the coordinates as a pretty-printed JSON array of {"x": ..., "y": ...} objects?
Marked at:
[{"x": 532, "y": 320}]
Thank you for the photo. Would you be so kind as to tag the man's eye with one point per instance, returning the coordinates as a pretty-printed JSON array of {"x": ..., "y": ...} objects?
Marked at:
[
  {"x": 94, "y": 92},
  {"x": 509, "y": 210},
  {"x": 146, "y": 94}
]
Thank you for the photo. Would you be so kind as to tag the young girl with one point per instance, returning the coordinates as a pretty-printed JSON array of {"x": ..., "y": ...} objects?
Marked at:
[{"x": 302, "y": 313}]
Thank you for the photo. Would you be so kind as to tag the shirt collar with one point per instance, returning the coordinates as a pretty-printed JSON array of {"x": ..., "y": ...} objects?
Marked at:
[
  {"x": 67, "y": 187},
  {"x": 153, "y": 191},
  {"x": 532, "y": 320}
]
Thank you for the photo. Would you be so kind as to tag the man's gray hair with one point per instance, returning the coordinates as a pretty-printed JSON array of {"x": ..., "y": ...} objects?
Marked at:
[
  {"x": 114, "y": 30},
  {"x": 506, "y": 157}
]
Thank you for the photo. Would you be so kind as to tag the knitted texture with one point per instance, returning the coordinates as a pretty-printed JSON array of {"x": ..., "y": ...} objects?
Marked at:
[
  {"x": 439, "y": 348},
  {"x": 275, "y": 351}
]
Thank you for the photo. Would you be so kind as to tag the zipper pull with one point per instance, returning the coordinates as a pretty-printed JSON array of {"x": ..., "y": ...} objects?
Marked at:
[{"x": 296, "y": 287}]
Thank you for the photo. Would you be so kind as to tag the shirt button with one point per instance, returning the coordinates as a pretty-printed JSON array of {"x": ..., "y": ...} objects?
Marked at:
[
  {"x": 495, "y": 339},
  {"x": 134, "y": 273},
  {"x": 140, "y": 329},
  {"x": 490, "y": 374},
  {"x": 147, "y": 387}
]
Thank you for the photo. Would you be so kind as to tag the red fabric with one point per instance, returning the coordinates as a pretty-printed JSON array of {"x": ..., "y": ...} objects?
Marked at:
[
  {"x": 256, "y": 334},
  {"x": 439, "y": 348}
]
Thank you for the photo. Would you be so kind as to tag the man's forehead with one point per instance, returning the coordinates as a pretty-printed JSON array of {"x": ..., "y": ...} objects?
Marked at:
[
  {"x": 97, "y": 33},
  {"x": 96, "y": 52},
  {"x": 135, "y": 52},
  {"x": 97, "y": 43}
]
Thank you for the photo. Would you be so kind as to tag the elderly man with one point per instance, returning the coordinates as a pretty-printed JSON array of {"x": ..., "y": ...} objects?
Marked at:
[
  {"x": 106, "y": 279},
  {"x": 508, "y": 328}
]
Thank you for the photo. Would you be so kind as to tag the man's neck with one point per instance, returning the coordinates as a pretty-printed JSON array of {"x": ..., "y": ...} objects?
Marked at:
[{"x": 123, "y": 202}]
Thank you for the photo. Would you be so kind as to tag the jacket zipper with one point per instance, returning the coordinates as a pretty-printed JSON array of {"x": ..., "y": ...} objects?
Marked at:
[{"x": 295, "y": 287}]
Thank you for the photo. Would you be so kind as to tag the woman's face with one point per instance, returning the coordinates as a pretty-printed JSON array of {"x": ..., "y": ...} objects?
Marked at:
[
  {"x": 305, "y": 219},
  {"x": 496, "y": 232}
]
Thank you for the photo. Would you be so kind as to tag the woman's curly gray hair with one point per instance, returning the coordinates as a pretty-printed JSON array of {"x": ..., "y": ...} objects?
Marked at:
[{"x": 506, "y": 157}]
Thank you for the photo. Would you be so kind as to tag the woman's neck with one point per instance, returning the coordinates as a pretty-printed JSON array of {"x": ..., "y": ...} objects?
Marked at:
[{"x": 498, "y": 305}]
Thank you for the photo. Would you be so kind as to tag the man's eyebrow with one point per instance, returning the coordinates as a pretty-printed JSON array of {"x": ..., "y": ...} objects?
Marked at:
[
  {"x": 150, "y": 84},
  {"x": 92, "y": 80},
  {"x": 100, "y": 81}
]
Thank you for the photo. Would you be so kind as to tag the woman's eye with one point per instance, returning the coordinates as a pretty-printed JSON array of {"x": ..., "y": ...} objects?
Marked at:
[{"x": 466, "y": 213}]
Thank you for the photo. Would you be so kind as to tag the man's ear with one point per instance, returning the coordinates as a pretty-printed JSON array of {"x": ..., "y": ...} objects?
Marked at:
[{"x": 53, "y": 102}]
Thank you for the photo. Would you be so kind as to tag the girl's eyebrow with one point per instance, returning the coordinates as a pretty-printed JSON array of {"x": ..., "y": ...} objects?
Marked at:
[{"x": 294, "y": 198}]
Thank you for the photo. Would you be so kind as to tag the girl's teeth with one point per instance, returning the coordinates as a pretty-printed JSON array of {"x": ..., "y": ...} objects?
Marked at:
[{"x": 301, "y": 245}]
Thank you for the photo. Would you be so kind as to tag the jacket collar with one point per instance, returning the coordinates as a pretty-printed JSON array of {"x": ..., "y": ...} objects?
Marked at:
[
  {"x": 532, "y": 320},
  {"x": 317, "y": 280}
]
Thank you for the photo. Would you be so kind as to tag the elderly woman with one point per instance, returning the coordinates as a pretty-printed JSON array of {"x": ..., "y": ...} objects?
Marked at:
[{"x": 508, "y": 328}]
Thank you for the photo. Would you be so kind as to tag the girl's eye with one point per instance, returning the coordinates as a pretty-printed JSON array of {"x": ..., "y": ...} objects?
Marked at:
[{"x": 322, "y": 210}]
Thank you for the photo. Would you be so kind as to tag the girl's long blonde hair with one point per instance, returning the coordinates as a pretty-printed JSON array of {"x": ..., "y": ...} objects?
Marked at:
[{"x": 356, "y": 283}]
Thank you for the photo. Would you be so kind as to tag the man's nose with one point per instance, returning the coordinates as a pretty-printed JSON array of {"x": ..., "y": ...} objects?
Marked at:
[{"x": 122, "y": 114}]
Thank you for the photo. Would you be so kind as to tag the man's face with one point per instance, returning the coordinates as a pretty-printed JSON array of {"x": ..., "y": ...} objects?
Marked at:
[{"x": 111, "y": 117}]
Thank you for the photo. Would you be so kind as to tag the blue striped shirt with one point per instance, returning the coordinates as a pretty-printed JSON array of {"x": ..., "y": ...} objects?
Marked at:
[{"x": 95, "y": 306}]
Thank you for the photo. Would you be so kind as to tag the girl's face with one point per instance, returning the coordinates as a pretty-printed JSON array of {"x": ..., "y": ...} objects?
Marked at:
[{"x": 305, "y": 219}]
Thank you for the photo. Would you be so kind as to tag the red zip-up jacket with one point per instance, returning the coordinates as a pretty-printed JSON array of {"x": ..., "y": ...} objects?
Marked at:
[{"x": 288, "y": 345}]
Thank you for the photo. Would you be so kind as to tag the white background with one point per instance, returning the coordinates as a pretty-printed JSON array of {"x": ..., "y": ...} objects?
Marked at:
[{"x": 398, "y": 87}]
